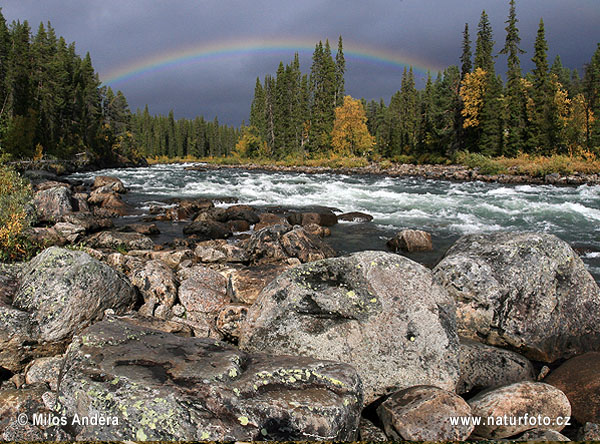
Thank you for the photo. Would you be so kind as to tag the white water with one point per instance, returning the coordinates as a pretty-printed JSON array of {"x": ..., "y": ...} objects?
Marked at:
[{"x": 446, "y": 209}]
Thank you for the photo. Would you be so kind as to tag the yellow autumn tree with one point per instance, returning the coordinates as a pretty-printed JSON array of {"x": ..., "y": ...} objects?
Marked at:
[
  {"x": 350, "y": 135},
  {"x": 574, "y": 116},
  {"x": 472, "y": 93}
]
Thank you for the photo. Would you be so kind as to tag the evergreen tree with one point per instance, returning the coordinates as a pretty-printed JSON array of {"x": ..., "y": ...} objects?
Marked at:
[
  {"x": 591, "y": 87},
  {"x": 465, "y": 58},
  {"x": 340, "y": 69},
  {"x": 515, "y": 103},
  {"x": 485, "y": 45}
]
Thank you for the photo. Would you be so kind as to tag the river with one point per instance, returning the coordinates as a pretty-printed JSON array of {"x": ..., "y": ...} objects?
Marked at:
[{"x": 445, "y": 209}]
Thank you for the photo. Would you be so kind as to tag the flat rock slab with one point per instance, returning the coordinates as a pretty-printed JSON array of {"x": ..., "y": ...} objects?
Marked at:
[
  {"x": 165, "y": 387},
  {"x": 379, "y": 312}
]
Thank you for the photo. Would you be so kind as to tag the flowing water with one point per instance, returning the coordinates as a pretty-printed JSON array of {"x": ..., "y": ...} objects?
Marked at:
[{"x": 445, "y": 209}]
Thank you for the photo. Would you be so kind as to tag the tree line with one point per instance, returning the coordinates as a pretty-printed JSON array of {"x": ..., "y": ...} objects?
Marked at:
[
  {"x": 52, "y": 105},
  {"x": 160, "y": 135},
  {"x": 550, "y": 110}
]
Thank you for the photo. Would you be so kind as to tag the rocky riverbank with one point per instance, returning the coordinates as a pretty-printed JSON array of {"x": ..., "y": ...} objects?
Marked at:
[
  {"x": 456, "y": 173},
  {"x": 250, "y": 327}
]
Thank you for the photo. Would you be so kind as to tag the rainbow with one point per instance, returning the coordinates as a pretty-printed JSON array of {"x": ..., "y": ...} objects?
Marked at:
[{"x": 235, "y": 48}]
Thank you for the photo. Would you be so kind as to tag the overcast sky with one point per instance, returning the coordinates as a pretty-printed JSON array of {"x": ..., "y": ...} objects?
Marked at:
[{"x": 119, "y": 33}]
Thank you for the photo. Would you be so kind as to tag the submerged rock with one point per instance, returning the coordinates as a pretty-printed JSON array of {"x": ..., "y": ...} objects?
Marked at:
[
  {"x": 526, "y": 291},
  {"x": 379, "y": 312},
  {"x": 161, "y": 386}
]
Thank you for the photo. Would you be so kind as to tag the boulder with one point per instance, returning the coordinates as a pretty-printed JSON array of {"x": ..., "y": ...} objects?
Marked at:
[
  {"x": 80, "y": 203},
  {"x": 589, "y": 432},
  {"x": 238, "y": 226},
  {"x": 355, "y": 216},
  {"x": 146, "y": 229},
  {"x": 157, "y": 284},
  {"x": 89, "y": 221},
  {"x": 60, "y": 291},
  {"x": 525, "y": 291},
  {"x": 45, "y": 236},
  {"x": 540, "y": 435},
  {"x": 163, "y": 387},
  {"x": 369, "y": 432},
  {"x": 241, "y": 212},
  {"x": 120, "y": 240},
  {"x": 579, "y": 379},
  {"x": 248, "y": 282},
  {"x": 112, "y": 183},
  {"x": 483, "y": 366},
  {"x": 71, "y": 232},
  {"x": 203, "y": 292},
  {"x": 280, "y": 242},
  {"x": 268, "y": 220},
  {"x": 206, "y": 230},
  {"x": 424, "y": 413},
  {"x": 317, "y": 230},
  {"x": 411, "y": 241},
  {"x": 52, "y": 203},
  {"x": 230, "y": 318},
  {"x": 45, "y": 370},
  {"x": 220, "y": 250},
  {"x": 379, "y": 312},
  {"x": 513, "y": 409},
  {"x": 323, "y": 217}
]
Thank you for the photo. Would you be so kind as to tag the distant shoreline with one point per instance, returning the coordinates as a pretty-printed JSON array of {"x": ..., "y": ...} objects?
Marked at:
[{"x": 455, "y": 173}]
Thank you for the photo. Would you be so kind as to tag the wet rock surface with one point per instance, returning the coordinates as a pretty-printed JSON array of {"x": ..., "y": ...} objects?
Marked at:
[
  {"x": 526, "y": 291},
  {"x": 378, "y": 312},
  {"x": 164, "y": 387}
]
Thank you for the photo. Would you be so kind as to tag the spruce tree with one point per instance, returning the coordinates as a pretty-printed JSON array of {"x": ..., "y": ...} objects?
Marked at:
[
  {"x": 465, "y": 58},
  {"x": 591, "y": 88},
  {"x": 514, "y": 93},
  {"x": 340, "y": 69},
  {"x": 485, "y": 45}
]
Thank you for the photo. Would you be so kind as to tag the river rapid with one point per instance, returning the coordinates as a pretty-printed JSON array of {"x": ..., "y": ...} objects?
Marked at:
[{"x": 446, "y": 209}]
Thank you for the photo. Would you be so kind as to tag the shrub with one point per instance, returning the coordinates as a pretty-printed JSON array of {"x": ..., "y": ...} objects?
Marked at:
[{"x": 15, "y": 215}]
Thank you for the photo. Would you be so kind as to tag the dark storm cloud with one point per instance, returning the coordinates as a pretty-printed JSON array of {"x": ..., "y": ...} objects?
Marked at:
[{"x": 117, "y": 33}]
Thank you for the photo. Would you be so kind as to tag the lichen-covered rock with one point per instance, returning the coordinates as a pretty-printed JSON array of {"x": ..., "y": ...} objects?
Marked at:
[
  {"x": 155, "y": 280},
  {"x": 425, "y": 413},
  {"x": 379, "y": 312},
  {"x": 116, "y": 240},
  {"x": 59, "y": 292},
  {"x": 248, "y": 282},
  {"x": 52, "y": 203},
  {"x": 579, "y": 379},
  {"x": 161, "y": 386},
  {"x": 526, "y": 291},
  {"x": 483, "y": 366},
  {"x": 71, "y": 232},
  {"x": 45, "y": 370},
  {"x": 518, "y": 405}
]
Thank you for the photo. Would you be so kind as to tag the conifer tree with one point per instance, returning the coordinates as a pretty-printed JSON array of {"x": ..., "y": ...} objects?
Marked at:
[
  {"x": 465, "y": 58},
  {"x": 340, "y": 69},
  {"x": 591, "y": 87},
  {"x": 515, "y": 103}
]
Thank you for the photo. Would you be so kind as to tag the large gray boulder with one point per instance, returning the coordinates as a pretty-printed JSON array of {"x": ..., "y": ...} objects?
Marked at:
[
  {"x": 160, "y": 386},
  {"x": 58, "y": 292},
  {"x": 525, "y": 291},
  {"x": 379, "y": 312},
  {"x": 117, "y": 240},
  {"x": 53, "y": 203}
]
